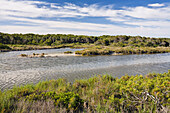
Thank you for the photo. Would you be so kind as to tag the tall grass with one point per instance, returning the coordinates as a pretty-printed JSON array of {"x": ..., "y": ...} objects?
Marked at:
[
  {"x": 150, "y": 93},
  {"x": 122, "y": 50}
]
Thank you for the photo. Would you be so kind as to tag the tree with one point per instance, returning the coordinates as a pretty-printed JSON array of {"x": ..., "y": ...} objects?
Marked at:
[
  {"x": 106, "y": 42},
  {"x": 48, "y": 42}
]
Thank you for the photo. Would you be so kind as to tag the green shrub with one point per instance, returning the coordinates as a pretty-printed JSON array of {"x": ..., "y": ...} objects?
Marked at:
[
  {"x": 2, "y": 46},
  {"x": 138, "y": 93},
  {"x": 68, "y": 52},
  {"x": 23, "y": 55}
]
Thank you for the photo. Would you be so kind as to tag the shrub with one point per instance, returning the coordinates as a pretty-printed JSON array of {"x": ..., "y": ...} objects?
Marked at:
[
  {"x": 2, "y": 46},
  {"x": 23, "y": 55},
  {"x": 68, "y": 52},
  {"x": 138, "y": 93}
]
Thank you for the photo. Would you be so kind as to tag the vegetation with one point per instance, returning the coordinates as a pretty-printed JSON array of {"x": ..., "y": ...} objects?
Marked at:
[
  {"x": 34, "y": 55},
  {"x": 58, "y": 39},
  {"x": 4, "y": 47},
  {"x": 24, "y": 55},
  {"x": 30, "y": 47},
  {"x": 150, "y": 93},
  {"x": 96, "y": 45},
  {"x": 68, "y": 52},
  {"x": 97, "y": 50}
]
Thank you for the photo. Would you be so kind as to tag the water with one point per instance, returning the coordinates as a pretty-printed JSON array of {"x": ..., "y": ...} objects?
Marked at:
[{"x": 19, "y": 71}]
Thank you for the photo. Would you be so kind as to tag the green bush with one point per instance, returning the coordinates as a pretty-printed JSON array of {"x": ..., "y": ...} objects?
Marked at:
[
  {"x": 138, "y": 93},
  {"x": 23, "y": 55},
  {"x": 2, "y": 46},
  {"x": 122, "y": 50},
  {"x": 60, "y": 39},
  {"x": 68, "y": 52}
]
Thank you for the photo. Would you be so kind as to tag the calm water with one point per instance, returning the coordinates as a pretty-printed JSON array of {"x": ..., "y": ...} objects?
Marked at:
[{"x": 17, "y": 71}]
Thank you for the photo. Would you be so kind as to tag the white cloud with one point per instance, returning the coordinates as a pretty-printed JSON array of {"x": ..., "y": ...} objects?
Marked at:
[
  {"x": 116, "y": 19},
  {"x": 53, "y": 5},
  {"x": 45, "y": 27},
  {"x": 159, "y": 24},
  {"x": 156, "y": 5},
  {"x": 139, "y": 20},
  {"x": 29, "y": 9},
  {"x": 148, "y": 13}
]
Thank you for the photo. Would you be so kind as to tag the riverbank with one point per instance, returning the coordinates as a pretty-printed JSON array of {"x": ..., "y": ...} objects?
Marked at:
[
  {"x": 148, "y": 93},
  {"x": 38, "y": 47},
  {"x": 91, "y": 49},
  {"x": 42, "y": 55},
  {"x": 96, "y": 45},
  {"x": 107, "y": 50}
]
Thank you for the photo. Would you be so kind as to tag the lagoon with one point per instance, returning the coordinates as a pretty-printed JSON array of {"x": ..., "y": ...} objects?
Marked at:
[{"x": 15, "y": 70}]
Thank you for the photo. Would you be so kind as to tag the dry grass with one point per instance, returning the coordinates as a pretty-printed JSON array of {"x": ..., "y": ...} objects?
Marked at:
[{"x": 106, "y": 50}]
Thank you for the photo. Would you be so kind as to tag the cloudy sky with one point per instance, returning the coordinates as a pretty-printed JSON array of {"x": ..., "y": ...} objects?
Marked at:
[{"x": 87, "y": 17}]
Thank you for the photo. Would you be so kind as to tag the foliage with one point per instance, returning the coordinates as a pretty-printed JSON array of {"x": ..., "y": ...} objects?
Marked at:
[
  {"x": 150, "y": 93},
  {"x": 122, "y": 50},
  {"x": 67, "y": 100},
  {"x": 2, "y": 46},
  {"x": 120, "y": 44},
  {"x": 105, "y": 40},
  {"x": 23, "y": 55},
  {"x": 68, "y": 52}
]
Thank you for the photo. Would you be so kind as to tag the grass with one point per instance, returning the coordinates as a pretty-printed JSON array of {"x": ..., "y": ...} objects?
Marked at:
[
  {"x": 24, "y": 55},
  {"x": 33, "y": 55},
  {"x": 68, "y": 52},
  {"x": 29, "y": 47},
  {"x": 39, "y": 47},
  {"x": 92, "y": 49},
  {"x": 150, "y": 93},
  {"x": 108, "y": 50},
  {"x": 4, "y": 47}
]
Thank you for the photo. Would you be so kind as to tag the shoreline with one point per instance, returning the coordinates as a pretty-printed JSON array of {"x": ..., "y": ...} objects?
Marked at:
[
  {"x": 47, "y": 55},
  {"x": 73, "y": 54},
  {"x": 23, "y": 49},
  {"x": 94, "y": 50},
  {"x": 37, "y": 47}
]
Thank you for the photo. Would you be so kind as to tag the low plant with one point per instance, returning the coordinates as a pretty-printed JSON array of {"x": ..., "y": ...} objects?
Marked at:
[
  {"x": 131, "y": 94},
  {"x": 68, "y": 52},
  {"x": 3, "y": 46},
  {"x": 122, "y": 50},
  {"x": 23, "y": 55}
]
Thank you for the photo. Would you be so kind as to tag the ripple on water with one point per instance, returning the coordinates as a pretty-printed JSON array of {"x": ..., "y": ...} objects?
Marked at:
[{"x": 17, "y": 71}]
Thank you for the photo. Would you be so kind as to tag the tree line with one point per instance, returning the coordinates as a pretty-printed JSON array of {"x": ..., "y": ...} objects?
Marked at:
[{"x": 57, "y": 39}]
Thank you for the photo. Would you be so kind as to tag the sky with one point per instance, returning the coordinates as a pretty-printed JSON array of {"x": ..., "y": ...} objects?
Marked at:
[{"x": 150, "y": 18}]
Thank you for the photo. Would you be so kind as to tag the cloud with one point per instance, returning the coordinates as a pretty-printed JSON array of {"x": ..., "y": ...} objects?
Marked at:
[
  {"x": 34, "y": 16},
  {"x": 156, "y": 5},
  {"x": 154, "y": 24},
  {"x": 79, "y": 28},
  {"x": 116, "y": 19},
  {"x": 147, "y": 13},
  {"x": 28, "y": 8}
]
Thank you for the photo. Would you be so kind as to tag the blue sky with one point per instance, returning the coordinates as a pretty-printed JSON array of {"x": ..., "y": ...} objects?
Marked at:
[{"x": 86, "y": 17}]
